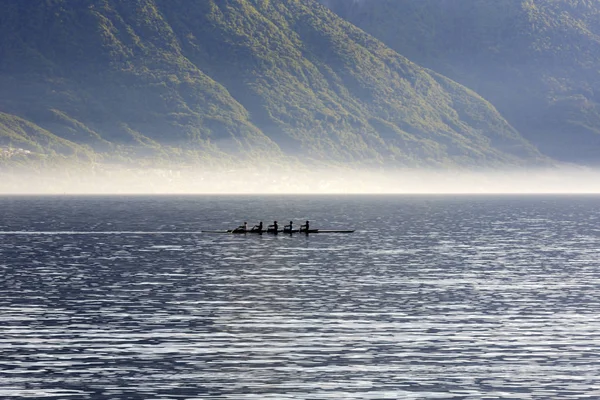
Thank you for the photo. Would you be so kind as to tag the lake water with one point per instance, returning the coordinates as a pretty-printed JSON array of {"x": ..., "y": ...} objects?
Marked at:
[{"x": 459, "y": 297}]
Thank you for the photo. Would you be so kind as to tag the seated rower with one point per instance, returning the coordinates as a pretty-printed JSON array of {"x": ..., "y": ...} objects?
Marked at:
[
  {"x": 288, "y": 228},
  {"x": 241, "y": 228},
  {"x": 305, "y": 227},
  {"x": 273, "y": 228},
  {"x": 258, "y": 228}
]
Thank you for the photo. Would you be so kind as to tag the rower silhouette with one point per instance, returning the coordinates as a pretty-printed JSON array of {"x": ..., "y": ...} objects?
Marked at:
[
  {"x": 273, "y": 228},
  {"x": 305, "y": 227},
  {"x": 258, "y": 228},
  {"x": 288, "y": 228},
  {"x": 241, "y": 228}
]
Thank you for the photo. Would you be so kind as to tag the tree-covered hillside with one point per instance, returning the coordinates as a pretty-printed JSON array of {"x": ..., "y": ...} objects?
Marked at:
[
  {"x": 536, "y": 61},
  {"x": 203, "y": 80}
]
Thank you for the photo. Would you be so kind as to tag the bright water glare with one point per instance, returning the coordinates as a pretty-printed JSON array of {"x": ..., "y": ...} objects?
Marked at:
[{"x": 461, "y": 297}]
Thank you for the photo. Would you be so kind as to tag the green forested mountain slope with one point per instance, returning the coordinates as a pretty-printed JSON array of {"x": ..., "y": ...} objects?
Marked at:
[
  {"x": 30, "y": 141},
  {"x": 536, "y": 61},
  {"x": 206, "y": 80},
  {"x": 110, "y": 74}
]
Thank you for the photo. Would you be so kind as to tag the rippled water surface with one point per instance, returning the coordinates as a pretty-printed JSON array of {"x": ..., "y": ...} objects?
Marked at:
[{"x": 432, "y": 297}]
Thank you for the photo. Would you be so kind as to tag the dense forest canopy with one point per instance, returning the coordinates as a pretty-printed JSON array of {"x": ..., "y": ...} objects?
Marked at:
[
  {"x": 536, "y": 61},
  {"x": 371, "y": 83}
]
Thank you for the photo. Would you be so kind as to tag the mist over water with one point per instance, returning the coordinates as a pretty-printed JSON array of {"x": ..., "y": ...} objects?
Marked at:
[{"x": 271, "y": 180}]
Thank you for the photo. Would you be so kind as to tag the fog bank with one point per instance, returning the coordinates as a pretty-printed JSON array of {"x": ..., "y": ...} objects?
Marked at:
[{"x": 272, "y": 181}]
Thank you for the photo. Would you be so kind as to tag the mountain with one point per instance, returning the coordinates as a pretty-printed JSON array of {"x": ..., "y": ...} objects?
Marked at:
[
  {"x": 536, "y": 61},
  {"x": 157, "y": 82}
]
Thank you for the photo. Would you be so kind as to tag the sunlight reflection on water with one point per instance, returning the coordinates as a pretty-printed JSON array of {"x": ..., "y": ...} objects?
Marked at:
[{"x": 452, "y": 297}]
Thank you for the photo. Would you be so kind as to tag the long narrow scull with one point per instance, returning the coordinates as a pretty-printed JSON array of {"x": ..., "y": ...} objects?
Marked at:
[{"x": 238, "y": 232}]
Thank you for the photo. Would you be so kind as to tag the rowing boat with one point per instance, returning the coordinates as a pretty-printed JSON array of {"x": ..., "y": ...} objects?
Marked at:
[{"x": 240, "y": 231}]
